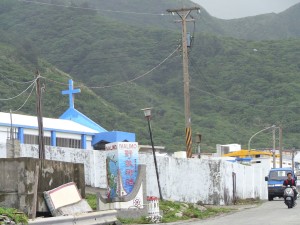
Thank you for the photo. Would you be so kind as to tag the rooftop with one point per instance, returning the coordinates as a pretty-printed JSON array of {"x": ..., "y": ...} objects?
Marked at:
[{"x": 62, "y": 125}]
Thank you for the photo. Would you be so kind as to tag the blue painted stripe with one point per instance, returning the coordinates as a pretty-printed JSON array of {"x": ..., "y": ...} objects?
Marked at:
[
  {"x": 53, "y": 138},
  {"x": 48, "y": 129},
  {"x": 21, "y": 135},
  {"x": 83, "y": 141}
]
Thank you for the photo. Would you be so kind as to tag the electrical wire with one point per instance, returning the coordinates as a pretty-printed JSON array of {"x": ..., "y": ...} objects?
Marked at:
[
  {"x": 7, "y": 99},
  {"x": 18, "y": 82},
  {"x": 46, "y": 78},
  {"x": 26, "y": 99},
  {"x": 197, "y": 70},
  {"x": 100, "y": 10},
  {"x": 125, "y": 54},
  {"x": 124, "y": 82}
]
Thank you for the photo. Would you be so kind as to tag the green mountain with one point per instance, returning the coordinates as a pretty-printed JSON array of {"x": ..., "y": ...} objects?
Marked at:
[
  {"x": 268, "y": 26},
  {"x": 18, "y": 73},
  {"x": 237, "y": 87},
  {"x": 144, "y": 13}
]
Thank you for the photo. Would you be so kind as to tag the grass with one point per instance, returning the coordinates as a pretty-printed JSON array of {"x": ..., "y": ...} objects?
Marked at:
[
  {"x": 142, "y": 220},
  {"x": 172, "y": 209},
  {"x": 92, "y": 200},
  {"x": 249, "y": 201},
  {"x": 13, "y": 214}
]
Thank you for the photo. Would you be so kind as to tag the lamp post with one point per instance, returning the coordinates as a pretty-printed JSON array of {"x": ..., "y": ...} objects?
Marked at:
[
  {"x": 147, "y": 113},
  {"x": 198, "y": 141},
  {"x": 273, "y": 126},
  {"x": 293, "y": 158}
]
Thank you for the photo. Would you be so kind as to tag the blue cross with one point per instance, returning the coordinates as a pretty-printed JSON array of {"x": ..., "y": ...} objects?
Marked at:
[{"x": 71, "y": 93}]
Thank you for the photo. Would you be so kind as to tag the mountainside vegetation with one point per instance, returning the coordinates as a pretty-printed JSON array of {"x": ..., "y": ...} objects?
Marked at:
[
  {"x": 270, "y": 26},
  {"x": 238, "y": 87}
]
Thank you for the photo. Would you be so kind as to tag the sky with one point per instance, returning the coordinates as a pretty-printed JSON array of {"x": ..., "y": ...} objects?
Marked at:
[{"x": 230, "y": 9}]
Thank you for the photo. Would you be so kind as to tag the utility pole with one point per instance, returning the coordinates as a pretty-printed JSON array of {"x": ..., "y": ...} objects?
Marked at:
[
  {"x": 280, "y": 145},
  {"x": 183, "y": 13},
  {"x": 40, "y": 116},
  {"x": 293, "y": 158},
  {"x": 274, "y": 147}
]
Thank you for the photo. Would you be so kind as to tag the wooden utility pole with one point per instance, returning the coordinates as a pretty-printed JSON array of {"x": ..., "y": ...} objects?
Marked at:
[
  {"x": 274, "y": 147},
  {"x": 293, "y": 158},
  {"x": 40, "y": 116},
  {"x": 183, "y": 13},
  {"x": 280, "y": 145},
  {"x": 12, "y": 138}
]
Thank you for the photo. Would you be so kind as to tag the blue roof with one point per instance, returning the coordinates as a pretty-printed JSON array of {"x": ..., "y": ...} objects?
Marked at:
[
  {"x": 78, "y": 117},
  {"x": 113, "y": 136}
]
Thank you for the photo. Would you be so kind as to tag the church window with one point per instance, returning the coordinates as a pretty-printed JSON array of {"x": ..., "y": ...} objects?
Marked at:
[
  {"x": 34, "y": 140},
  {"x": 68, "y": 143}
]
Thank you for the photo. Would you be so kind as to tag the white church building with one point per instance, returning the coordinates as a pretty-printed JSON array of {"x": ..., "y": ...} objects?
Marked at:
[{"x": 72, "y": 130}]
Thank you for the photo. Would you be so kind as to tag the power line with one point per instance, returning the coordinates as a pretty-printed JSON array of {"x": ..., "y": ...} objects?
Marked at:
[
  {"x": 204, "y": 81},
  {"x": 18, "y": 82},
  {"x": 125, "y": 54},
  {"x": 100, "y": 10},
  {"x": 7, "y": 99},
  {"x": 124, "y": 82},
  {"x": 26, "y": 99},
  {"x": 64, "y": 84}
]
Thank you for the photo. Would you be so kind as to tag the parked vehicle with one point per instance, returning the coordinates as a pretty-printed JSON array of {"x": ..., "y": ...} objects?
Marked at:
[
  {"x": 289, "y": 197},
  {"x": 275, "y": 180}
]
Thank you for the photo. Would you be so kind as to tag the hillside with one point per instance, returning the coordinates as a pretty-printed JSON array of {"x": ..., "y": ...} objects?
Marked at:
[
  {"x": 263, "y": 27},
  {"x": 144, "y": 13},
  {"x": 17, "y": 72},
  {"x": 238, "y": 87},
  {"x": 269, "y": 26}
]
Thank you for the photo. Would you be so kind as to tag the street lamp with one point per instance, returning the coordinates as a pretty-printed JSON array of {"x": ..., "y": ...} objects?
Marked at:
[
  {"x": 147, "y": 113},
  {"x": 198, "y": 141},
  {"x": 273, "y": 126}
]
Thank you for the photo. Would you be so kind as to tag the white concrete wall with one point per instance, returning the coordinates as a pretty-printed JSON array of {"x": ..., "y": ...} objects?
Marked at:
[
  {"x": 4, "y": 133},
  {"x": 188, "y": 180},
  {"x": 209, "y": 181},
  {"x": 94, "y": 161},
  {"x": 3, "y": 153}
]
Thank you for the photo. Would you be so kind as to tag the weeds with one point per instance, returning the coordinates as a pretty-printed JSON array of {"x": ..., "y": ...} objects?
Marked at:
[{"x": 13, "y": 214}]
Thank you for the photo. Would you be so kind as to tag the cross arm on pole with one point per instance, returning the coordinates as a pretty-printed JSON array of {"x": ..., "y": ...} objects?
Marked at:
[
  {"x": 183, "y": 9},
  {"x": 183, "y": 12}
]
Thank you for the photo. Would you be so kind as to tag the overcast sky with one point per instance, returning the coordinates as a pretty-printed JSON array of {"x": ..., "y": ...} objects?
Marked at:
[{"x": 229, "y": 9}]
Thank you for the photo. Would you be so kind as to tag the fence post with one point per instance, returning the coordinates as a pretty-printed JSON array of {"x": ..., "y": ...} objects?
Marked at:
[{"x": 234, "y": 187}]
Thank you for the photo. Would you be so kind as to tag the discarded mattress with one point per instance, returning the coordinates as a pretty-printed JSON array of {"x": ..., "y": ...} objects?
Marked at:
[{"x": 66, "y": 200}]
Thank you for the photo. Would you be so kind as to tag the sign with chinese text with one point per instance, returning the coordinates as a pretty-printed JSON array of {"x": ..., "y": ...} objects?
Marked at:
[{"x": 122, "y": 167}]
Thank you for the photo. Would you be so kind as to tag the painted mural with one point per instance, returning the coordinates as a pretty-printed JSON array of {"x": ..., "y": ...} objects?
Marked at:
[{"x": 122, "y": 168}]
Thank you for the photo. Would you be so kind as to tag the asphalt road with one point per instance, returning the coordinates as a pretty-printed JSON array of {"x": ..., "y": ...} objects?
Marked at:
[{"x": 269, "y": 213}]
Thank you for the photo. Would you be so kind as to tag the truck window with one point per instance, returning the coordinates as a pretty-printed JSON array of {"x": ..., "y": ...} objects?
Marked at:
[{"x": 278, "y": 175}]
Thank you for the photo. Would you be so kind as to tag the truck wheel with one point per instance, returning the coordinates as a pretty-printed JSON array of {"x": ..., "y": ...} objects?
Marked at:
[{"x": 270, "y": 198}]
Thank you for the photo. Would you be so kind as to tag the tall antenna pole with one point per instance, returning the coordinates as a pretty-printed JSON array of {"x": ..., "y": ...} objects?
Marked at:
[
  {"x": 280, "y": 145},
  {"x": 40, "y": 116},
  {"x": 11, "y": 126},
  {"x": 274, "y": 147},
  {"x": 183, "y": 14},
  {"x": 12, "y": 138}
]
